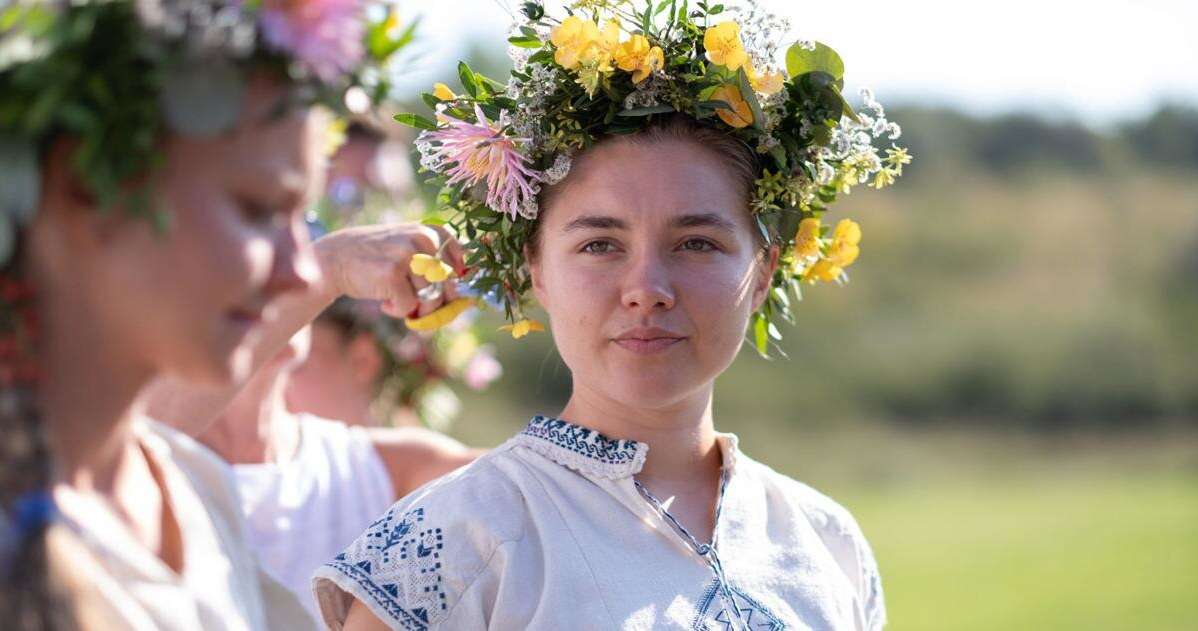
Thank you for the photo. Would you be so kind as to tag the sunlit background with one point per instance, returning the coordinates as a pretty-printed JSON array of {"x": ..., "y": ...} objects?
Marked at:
[{"x": 1006, "y": 394}]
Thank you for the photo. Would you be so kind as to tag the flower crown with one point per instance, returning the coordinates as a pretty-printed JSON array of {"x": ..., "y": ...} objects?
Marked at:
[
  {"x": 116, "y": 73},
  {"x": 611, "y": 67}
]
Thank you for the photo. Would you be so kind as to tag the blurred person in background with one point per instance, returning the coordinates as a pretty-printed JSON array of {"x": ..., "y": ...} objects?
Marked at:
[
  {"x": 156, "y": 162},
  {"x": 312, "y": 462}
]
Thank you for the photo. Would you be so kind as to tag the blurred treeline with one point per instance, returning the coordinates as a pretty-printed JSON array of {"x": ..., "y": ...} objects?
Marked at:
[{"x": 1025, "y": 272}]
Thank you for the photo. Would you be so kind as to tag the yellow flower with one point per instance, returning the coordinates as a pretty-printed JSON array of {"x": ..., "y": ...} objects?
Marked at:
[
  {"x": 844, "y": 249},
  {"x": 523, "y": 327},
  {"x": 766, "y": 84},
  {"x": 440, "y": 317},
  {"x": 637, "y": 57},
  {"x": 335, "y": 136},
  {"x": 807, "y": 239},
  {"x": 433, "y": 269},
  {"x": 724, "y": 47},
  {"x": 569, "y": 37},
  {"x": 741, "y": 115},
  {"x": 884, "y": 178},
  {"x": 580, "y": 41},
  {"x": 442, "y": 91}
]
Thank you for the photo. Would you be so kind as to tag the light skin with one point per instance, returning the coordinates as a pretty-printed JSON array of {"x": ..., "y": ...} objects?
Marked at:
[
  {"x": 649, "y": 269},
  {"x": 337, "y": 380},
  {"x": 210, "y": 301}
]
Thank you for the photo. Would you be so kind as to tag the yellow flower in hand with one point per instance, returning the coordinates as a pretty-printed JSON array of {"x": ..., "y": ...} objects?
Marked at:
[
  {"x": 724, "y": 47},
  {"x": 440, "y": 317},
  {"x": 523, "y": 327},
  {"x": 807, "y": 239},
  {"x": 741, "y": 115},
  {"x": 637, "y": 57},
  {"x": 433, "y": 269},
  {"x": 442, "y": 91}
]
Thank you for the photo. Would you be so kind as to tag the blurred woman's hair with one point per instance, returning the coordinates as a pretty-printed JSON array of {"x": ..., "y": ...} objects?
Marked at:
[{"x": 27, "y": 601}]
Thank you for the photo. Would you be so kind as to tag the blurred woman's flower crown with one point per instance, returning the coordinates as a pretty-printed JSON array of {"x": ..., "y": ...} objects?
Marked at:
[
  {"x": 116, "y": 74},
  {"x": 610, "y": 67}
]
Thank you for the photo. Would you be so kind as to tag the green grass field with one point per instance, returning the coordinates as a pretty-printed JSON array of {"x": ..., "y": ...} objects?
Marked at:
[{"x": 1051, "y": 552}]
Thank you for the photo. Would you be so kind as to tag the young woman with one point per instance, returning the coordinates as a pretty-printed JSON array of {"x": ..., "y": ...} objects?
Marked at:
[
  {"x": 109, "y": 519},
  {"x": 628, "y": 510}
]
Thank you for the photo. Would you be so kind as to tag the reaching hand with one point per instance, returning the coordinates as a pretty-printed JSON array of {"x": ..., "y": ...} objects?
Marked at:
[{"x": 374, "y": 263}]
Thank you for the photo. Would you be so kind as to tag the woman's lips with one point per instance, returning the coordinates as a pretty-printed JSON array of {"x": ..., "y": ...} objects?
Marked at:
[{"x": 647, "y": 345}]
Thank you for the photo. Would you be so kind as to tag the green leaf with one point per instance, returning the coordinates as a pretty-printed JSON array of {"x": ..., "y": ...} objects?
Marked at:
[
  {"x": 525, "y": 42},
  {"x": 415, "y": 120},
  {"x": 646, "y": 111},
  {"x": 468, "y": 79},
  {"x": 800, "y": 61},
  {"x": 750, "y": 97},
  {"x": 761, "y": 334}
]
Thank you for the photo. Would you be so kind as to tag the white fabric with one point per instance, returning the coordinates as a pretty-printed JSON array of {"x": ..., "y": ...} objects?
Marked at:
[
  {"x": 122, "y": 585},
  {"x": 304, "y": 511},
  {"x": 549, "y": 532}
]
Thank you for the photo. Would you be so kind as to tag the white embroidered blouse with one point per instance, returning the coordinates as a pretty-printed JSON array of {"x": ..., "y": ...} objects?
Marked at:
[{"x": 550, "y": 531}]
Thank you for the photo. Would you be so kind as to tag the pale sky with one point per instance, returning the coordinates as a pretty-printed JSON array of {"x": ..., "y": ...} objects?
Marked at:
[{"x": 1099, "y": 60}]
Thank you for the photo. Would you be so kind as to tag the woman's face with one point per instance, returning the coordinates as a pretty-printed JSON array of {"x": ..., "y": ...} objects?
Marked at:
[
  {"x": 192, "y": 301},
  {"x": 649, "y": 270},
  {"x": 336, "y": 380}
]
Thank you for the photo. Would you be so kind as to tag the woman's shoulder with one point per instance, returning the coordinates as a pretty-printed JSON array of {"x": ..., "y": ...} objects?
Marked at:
[
  {"x": 416, "y": 561},
  {"x": 837, "y": 528}
]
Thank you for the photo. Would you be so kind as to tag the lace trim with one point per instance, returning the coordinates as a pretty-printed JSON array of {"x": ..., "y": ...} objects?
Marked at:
[{"x": 584, "y": 450}]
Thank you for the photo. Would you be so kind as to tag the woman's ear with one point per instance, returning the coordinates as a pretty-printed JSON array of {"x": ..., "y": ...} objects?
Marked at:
[
  {"x": 534, "y": 272},
  {"x": 768, "y": 264}
]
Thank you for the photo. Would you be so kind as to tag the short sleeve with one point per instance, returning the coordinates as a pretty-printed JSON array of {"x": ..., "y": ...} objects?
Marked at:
[
  {"x": 414, "y": 565},
  {"x": 843, "y": 537}
]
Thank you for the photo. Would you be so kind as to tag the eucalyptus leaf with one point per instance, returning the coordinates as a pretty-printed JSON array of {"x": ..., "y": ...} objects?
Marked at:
[
  {"x": 800, "y": 61},
  {"x": 202, "y": 97}
]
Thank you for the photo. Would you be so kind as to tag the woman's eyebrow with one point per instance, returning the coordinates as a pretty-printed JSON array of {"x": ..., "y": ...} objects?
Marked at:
[
  {"x": 595, "y": 222},
  {"x": 704, "y": 220}
]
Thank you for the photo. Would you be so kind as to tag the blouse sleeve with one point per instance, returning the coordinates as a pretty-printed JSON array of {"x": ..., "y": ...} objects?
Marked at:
[{"x": 414, "y": 567}]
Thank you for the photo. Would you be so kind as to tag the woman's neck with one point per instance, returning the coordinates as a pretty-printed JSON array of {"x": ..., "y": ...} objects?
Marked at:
[
  {"x": 256, "y": 426},
  {"x": 681, "y": 436},
  {"x": 88, "y": 397}
]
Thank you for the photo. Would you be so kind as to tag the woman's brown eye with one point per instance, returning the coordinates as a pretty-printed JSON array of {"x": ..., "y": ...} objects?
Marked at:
[
  {"x": 597, "y": 247},
  {"x": 698, "y": 245}
]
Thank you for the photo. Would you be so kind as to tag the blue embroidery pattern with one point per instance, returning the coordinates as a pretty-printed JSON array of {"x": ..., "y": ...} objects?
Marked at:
[
  {"x": 583, "y": 441},
  {"x": 400, "y": 563},
  {"x": 716, "y": 618}
]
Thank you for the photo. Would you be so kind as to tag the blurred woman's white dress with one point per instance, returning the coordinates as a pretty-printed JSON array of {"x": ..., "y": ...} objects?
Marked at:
[
  {"x": 126, "y": 586},
  {"x": 304, "y": 511},
  {"x": 551, "y": 531}
]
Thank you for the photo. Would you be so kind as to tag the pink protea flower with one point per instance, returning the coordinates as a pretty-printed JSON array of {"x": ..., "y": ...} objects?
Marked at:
[
  {"x": 324, "y": 35},
  {"x": 474, "y": 152}
]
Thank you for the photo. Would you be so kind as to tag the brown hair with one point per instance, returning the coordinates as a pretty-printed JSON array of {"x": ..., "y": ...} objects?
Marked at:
[{"x": 733, "y": 151}]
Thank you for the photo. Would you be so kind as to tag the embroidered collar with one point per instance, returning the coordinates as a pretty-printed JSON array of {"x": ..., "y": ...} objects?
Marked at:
[{"x": 584, "y": 450}]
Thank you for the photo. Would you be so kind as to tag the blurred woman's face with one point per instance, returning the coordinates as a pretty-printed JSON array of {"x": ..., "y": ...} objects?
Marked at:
[
  {"x": 192, "y": 301},
  {"x": 337, "y": 377},
  {"x": 649, "y": 270}
]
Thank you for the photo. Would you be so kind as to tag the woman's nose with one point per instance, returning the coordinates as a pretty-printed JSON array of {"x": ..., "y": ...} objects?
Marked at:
[
  {"x": 647, "y": 284},
  {"x": 295, "y": 267}
]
